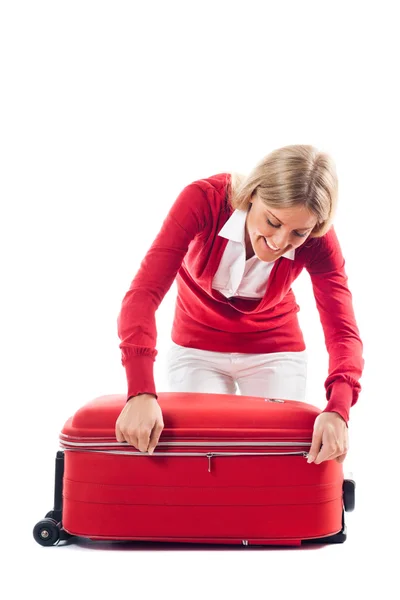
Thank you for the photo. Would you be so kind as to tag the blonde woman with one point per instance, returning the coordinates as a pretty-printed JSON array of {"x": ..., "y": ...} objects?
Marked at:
[{"x": 235, "y": 244}]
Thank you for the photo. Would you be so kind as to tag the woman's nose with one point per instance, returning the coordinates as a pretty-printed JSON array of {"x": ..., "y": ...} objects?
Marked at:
[{"x": 279, "y": 241}]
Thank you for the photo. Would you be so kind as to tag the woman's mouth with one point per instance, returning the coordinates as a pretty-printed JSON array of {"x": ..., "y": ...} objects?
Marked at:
[{"x": 269, "y": 247}]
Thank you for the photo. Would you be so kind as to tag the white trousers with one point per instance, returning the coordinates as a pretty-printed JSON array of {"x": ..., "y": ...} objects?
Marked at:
[{"x": 274, "y": 375}]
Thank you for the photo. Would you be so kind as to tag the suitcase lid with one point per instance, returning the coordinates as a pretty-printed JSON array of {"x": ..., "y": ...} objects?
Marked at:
[{"x": 196, "y": 416}]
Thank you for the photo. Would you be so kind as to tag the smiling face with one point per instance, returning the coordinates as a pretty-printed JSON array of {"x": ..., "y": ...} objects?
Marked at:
[{"x": 283, "y": 228}]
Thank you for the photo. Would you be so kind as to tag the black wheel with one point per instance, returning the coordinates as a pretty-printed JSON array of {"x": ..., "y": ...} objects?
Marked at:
[
  {"x": 50, "y": 514},
  {"x": 349, "y": 487},
  {"x": 46, "y": 532}
]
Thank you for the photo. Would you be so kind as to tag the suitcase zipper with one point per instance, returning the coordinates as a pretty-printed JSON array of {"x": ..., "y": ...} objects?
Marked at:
[
  {"x": 211, "y": 454},
  {"x": 208, "y": 455},
  {"x": 65, "y": 443}
]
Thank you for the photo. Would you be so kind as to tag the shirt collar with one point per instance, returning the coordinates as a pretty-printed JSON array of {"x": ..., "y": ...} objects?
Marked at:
[{"x": 234, "y": 229}]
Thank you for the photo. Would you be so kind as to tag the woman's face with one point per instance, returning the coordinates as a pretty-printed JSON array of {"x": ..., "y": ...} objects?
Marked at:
[{"x": 283, "y": 228}]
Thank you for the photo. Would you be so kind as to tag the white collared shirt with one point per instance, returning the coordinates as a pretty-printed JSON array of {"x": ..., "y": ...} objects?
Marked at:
[{"x": 235, "y": 275}]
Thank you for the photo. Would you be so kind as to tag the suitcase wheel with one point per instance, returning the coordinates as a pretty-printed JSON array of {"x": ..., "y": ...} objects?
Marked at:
[
  {"x": 46, "y": 532},
  {"x": 349, "y": 487}
]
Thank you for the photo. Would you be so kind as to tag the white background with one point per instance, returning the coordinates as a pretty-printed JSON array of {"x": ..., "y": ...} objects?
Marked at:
[{"x": 109, "y": 109}]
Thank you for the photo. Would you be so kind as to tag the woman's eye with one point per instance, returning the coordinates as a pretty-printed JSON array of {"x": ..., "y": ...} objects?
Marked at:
[
  {"x": 272, "y": 225},
  {"x": 277, "y": 226}
]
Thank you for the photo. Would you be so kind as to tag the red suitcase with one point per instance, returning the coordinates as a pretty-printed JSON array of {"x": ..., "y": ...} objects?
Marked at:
[{"x": 228, "y": 469}]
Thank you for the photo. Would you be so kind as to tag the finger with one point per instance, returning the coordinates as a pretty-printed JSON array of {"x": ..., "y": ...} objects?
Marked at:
[
  {"x": 143, "y": 438},
  {"x": 129, "y": 436},
  {"x": 327, "y": 453},
  {"x": 155, "y": 436},
  {"x": 132, "y": 439},
  {"x": 331, "y": 446},
  {"x": 315, "y": 446},
  {"x": 118, "y": 435},
  {"x": 338, "y": 449},
  {"x": 341, "y": 459}
]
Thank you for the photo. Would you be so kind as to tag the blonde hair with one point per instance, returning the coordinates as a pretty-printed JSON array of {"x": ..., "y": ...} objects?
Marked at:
[{"x": 295, "y": 175}]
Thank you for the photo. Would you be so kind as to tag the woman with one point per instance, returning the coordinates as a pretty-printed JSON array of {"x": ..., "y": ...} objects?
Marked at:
[{"x": 235, "y": 244}]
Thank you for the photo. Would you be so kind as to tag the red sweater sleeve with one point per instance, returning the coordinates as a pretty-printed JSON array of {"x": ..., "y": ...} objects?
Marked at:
[
  {"x": 342, "y": 338},
  {"x": 136, "y": 321}
]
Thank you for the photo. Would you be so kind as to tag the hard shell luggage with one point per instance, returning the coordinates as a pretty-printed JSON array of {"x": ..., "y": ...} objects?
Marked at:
[{"x": 228, "y": 469}]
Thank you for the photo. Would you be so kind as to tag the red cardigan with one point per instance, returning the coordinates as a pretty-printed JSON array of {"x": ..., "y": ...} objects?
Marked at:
[{"x": 189, "y": 249}]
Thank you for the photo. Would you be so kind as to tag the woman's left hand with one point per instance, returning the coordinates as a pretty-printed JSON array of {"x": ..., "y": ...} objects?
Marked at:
[{"x": 330, "y": 430}]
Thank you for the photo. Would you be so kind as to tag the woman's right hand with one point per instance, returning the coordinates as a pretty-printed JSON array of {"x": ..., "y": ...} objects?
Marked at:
[{"x": 140, "y": 423}]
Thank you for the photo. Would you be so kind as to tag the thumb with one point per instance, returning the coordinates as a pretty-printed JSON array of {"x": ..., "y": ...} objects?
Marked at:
[{"x": 315, "y": 446}]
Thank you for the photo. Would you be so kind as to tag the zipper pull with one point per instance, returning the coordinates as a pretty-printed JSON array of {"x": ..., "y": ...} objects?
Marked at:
[
  {"x": 209, "y": 456},
  {"x": 274, "y": 400}
]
